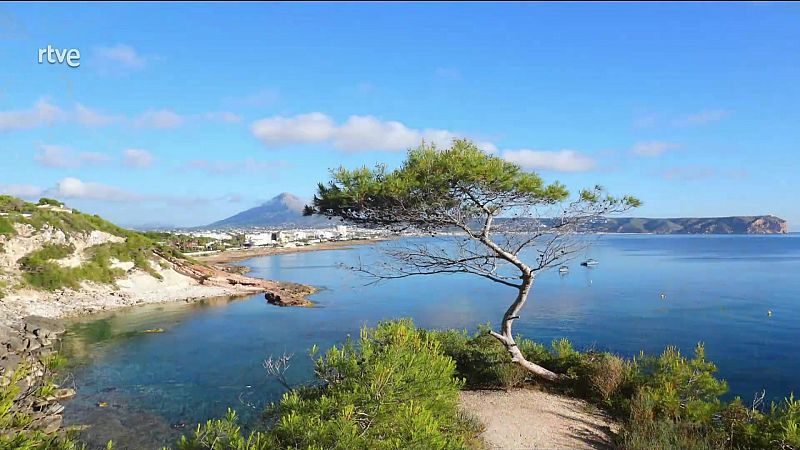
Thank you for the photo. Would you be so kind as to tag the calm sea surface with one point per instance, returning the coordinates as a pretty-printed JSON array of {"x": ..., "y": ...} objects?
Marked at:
[{"x": 718, "y": 291}]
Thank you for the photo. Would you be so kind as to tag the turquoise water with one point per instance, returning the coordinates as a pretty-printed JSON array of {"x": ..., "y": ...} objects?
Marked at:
[{"x": 718, "y": 290}]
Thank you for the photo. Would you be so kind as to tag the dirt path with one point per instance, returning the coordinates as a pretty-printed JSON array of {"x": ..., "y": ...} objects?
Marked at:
[{"x": 529, "y": 419}]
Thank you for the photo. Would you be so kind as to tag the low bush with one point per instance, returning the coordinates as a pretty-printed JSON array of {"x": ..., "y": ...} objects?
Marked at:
[
  {"x": 6, "y": 228},
  {"x": 480, "y": 359},
  {"x": 394, "y": 389},
  {"x": 398, "y": 388},
  {"x": 15, "y": 426}
]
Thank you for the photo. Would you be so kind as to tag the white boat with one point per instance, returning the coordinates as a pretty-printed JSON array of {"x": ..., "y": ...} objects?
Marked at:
[
  {"x": 590, "y": 262},
  {"x": 563, "y": 269}
]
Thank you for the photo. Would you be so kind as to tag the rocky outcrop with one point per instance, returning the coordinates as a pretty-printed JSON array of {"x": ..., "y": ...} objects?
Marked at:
[
  {"x": 768, "y": 225},
  {"x": 280, "y": 293},
  {"x": 289, "y": 294},
  {"x": 25, "y": 348}
]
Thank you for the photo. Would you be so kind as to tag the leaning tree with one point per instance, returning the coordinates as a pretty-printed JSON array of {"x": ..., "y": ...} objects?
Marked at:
[{"x": 496, "y": 220}]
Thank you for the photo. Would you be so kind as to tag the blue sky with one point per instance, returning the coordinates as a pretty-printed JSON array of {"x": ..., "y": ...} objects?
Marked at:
[{"x": 186, "y": 113}]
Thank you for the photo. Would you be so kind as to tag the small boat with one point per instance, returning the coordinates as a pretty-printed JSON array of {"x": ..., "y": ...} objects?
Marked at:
[
  {"x": 590, "y": 262},
  {"x": 563, "y": 269}
]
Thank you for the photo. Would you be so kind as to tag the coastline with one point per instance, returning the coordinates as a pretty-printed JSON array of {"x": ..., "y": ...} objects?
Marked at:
[
  {"x": 181, "y": 282},
  {"x": 222, "y": 258}
]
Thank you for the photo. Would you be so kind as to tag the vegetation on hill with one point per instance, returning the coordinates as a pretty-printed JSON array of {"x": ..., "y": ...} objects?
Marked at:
[
  {"x": 398, "y": 389},
  {"x": 189, "y": 243},
  {"x": 40, "y": 269}
]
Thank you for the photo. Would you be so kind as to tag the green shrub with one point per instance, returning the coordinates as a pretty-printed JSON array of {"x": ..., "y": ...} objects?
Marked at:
[
  {"x": 49, "y": 201},
  {"x": 681, "y": 388},
  {"x": 481, "y": 360},
  {"x": 14, "y": 426},
  {"x": 6, "y": 228},
  {"x": 394, "y": 390}
]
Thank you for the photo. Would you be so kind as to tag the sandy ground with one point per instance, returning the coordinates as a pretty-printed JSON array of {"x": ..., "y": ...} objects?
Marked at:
[
  {"x": 138, "y": 288},
  {"x": 529, "y": 419},
  {"x": 239, "y": 255}
]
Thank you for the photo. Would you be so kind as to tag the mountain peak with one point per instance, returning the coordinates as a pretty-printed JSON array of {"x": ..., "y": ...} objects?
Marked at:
[
  {"x": 289, "y": 200},
  {"x": 283, "y": 210}
]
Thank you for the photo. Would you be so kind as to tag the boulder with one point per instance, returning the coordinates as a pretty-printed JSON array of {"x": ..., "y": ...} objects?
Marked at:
[{"x": 44, "y": 326}]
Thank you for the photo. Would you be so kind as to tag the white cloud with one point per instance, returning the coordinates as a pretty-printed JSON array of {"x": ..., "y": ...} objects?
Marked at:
[
  {"x": 21, "y": 190},
  {"x": 137, "y": 158},
  {"x": 119, "y": 57},
  {"x": 44, "y": 113},
  {"x": 302, "y": 129},
  {"x": 357, "y": 133},
  {"x": 91, "y": 118},
  {"x": 701, "y": 118},
  {"x": 54, "y": 156},
  {"x": 559, "y": 161},
  {"x": 74, "y": 188},
  {"x": 653, "y": 148},
  {"x": 40, "y": 114},
  {"x": 233, "y": 167},
  {"x": 162, "y": 118},
  {"x": 62, "y": 157},
  {"x": 367, "y": 132}
]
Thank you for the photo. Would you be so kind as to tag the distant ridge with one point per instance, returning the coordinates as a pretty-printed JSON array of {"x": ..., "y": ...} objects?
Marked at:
[
  {"x": 286, "y": 211},
  {"x": 684, "y": 225},
  {"x": 283, "y": 210},
  {"x": 690, "y": 225}
]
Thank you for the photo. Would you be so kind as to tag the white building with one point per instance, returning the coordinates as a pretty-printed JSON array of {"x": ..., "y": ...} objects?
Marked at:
[{"x": 261, "y": 239}]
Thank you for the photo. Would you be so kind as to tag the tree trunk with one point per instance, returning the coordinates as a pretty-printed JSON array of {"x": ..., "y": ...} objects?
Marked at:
[{"x": 507, "y": 338}]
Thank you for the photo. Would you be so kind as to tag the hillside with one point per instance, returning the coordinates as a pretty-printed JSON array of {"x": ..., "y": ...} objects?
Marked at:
[
  {"x": 57, "y": 261},
  {"x": 284, "y": 210},
  {"x": 683, "y": 225},
  {"x": 688, "y": 225}
]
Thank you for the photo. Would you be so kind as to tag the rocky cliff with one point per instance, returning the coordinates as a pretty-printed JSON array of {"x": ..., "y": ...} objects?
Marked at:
[{"x": 26, "y": 361}]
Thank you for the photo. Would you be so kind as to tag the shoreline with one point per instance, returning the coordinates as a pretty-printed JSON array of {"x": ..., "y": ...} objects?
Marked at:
[
  {"x": 223, "y": 258},
  {"x": 182, "y": 282}
]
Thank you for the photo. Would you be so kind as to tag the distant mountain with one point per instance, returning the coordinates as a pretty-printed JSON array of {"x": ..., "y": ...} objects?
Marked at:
[
  {"x": 689, "y": 225},
  {"x": 684, "y": 225},
  {"x": 284, "y": 210}
]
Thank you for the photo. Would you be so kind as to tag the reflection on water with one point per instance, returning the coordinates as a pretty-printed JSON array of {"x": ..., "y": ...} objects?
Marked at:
[{"x": 208, "y": 357}]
